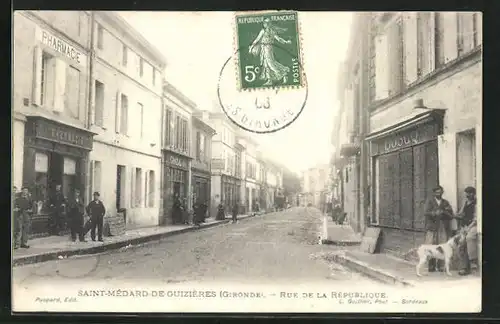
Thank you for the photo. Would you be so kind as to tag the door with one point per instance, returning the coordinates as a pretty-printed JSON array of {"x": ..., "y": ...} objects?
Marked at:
[
  {"x": 55, "y": 174},
  {"x": 120, "y": 181}
]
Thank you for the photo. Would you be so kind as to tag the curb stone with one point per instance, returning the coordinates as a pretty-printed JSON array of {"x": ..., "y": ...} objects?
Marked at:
[
  {"x": 370, "y": 271},
  {"x": 340, "y": 243},
  {"x": 54, "y": 255}
]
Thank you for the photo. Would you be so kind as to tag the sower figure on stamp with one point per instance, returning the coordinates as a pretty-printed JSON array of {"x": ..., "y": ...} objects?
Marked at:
[
  {"x": 271, "y": 70},
  {"x": 468, "y": 220},
  {"x": 57, "y": 215},
  {"x": 76, "y": 209},
  {"x": 24, "y": 205},
  {"x": 438, "y": 214},
  {"x": 96, "y": 211}
]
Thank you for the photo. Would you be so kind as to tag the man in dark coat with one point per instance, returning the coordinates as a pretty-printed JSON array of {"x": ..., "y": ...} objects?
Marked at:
[
  {"x": 438, "y": 214},
  {"x": 467, "y": 216},
  {"x": 57, "y": 215},
  {"x": 204, "y": 209},
  {"x": 235, "y": 212},
  {"x": 96, "y": 211},
  {"x": 76, "y": 209},
  {"x": 24, "y": 206}
]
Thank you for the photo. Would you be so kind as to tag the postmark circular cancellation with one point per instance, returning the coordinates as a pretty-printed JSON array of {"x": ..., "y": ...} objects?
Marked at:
[{"x": 262, "y": 87}]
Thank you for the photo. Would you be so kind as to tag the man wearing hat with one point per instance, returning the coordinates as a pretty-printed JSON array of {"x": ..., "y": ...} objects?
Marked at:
[
  {"x": 438, "y": 214},
  {"x": 467, "y": 217},
  {"x": 23, "y": 206},
  {"x": 96, "y": 211}
]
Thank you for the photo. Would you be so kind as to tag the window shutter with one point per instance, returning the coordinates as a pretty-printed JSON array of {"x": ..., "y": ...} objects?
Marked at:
[
  {"x": 93, "y": 107},
  {"x": 118, "y": 109},
  {"x": 105, "y": 109},
  {"x": 37, "y": 76},
  {"x": 395, "y": 55},
  {"x": 146, "y": 188},
  {"x": 381, "y": 65},
  {"x": 479, "y": 27},
  {"x": 410, "y": 47},
  {"x": 132, "y": 188},
  {"x": 60, "y": 85},
  {"x": 431, "y": 31},
  {"x": 467, "y": 30},
  {"x": 450, "y": 36}
]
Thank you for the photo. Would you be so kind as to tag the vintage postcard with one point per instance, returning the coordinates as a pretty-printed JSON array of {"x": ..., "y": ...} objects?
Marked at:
[{"x": 248, "y": 162}]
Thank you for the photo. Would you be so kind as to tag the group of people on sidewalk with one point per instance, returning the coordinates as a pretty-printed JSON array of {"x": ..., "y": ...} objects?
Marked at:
[
  {"x": 441, "y": 224},
  {"x": 182, "y": 215},
  {"x": 65, "y": 212}
]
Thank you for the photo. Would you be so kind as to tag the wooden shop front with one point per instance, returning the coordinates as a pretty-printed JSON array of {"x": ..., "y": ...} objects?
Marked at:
[
  {"x": 54, "y": 153},
  {"x": 404, "y": 162}
]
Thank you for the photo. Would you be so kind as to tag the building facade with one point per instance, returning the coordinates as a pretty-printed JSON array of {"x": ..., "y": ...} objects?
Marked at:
[
  {"x": 424, "y": 117},
  {"x": 226, "y": 163},
  {"x": 251, "y": 174},
  {"x": 350, "y": 161},
  {"x": 202, "y": 157},
  {"x": 51, "y": 142},
  {"x": 177, "y": 152},
  {"x": 125, "y": 114},
  {"x": 315, "y": 186}
]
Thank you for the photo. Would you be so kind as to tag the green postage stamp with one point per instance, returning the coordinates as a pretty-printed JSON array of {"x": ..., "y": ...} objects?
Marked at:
[{"x": 268, "y": 50}]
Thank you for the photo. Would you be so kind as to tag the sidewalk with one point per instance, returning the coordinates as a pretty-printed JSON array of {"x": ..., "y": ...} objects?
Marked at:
[
  {"x": 335, "y": 234},
  {"x": 392, "y": 270},
  {"x": 55, "y": 247}
]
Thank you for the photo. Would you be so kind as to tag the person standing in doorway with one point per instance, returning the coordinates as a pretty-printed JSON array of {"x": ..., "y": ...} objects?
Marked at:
[
  {"x": 438, "y": 214},
  {"x": 176, "y": 210},
  {"x": 96, "y": 211},
  {"x": 57, "y": 215},
  {"x": 76, "y": 209},
  {"x": 235, "y": 212},
  {"x": 204, "y": 210},
  {"x": 221, "y": 213},
  {"x": 24, "y": 205},
  {"x": 468, "y": 221}
]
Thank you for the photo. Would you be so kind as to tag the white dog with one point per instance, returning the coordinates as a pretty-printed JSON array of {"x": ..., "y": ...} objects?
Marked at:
[{"x": 438, "y": 251}]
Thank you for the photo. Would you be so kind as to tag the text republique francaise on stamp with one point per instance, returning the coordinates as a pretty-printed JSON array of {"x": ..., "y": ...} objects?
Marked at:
[{"x": 266, "y": 91}]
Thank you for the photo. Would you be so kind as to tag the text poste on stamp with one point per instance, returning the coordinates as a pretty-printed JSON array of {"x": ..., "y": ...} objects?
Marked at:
[{"x": 269, "y": 53}]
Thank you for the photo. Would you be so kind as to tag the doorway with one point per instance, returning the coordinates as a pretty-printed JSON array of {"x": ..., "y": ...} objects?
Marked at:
[
  {"x": 55, "y": 174},
  {"x": 177, "y": 190},
  {"x": 120, "y": 182}
]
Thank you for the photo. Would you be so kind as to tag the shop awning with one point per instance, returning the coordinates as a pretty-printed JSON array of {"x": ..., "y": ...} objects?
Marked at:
[{"x": 351, "y": 149}]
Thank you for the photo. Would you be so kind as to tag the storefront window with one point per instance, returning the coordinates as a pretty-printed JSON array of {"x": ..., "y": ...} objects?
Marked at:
[{"x": 40, "y": 190}]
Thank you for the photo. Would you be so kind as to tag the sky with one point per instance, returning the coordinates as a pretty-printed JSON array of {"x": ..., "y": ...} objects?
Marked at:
[{"x": 196, "y": 45}]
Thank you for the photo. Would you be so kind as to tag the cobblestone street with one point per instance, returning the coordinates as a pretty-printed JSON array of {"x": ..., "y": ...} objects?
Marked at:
[{"x": 281, "y": 247}]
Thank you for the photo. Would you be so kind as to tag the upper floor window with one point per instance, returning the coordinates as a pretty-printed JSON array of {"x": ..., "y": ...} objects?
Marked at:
[
  {"x": 99, "y": 103},
  {"x": 389, "y": 59},
  {"x": 56, "y": 84},
  {"x": 100, "y": 37},
  {"x": 200, "y": 147},
  {"x": 182, "y": 136},
  {"x": 124, "y": 55},
  {"x": 169, "y": 123},
  {"x": 141, "y": 67},
  {"x": 140, "y": 109}
]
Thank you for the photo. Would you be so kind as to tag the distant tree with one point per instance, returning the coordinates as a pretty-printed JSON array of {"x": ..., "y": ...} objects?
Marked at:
[{"x": 291, "y": 183}]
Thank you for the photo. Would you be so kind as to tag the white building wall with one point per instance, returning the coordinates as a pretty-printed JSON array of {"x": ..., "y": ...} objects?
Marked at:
[{"x": 132, "y": 149}]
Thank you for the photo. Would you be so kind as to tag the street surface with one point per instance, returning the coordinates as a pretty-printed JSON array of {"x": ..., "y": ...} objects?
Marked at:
[{"x": 282, "y": 247}]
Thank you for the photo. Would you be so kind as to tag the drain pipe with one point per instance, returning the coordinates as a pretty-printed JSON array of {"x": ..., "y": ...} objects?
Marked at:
[
  {"x": 90, "y": 110},
  {"x": 90, "y": 93}
]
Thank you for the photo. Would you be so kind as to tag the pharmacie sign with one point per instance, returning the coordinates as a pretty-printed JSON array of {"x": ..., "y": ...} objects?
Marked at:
[{"x": 62, "y": 47}]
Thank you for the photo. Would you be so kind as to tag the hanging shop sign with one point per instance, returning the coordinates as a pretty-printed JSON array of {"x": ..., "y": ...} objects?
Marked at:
[{"x": 405, "y": 138}]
